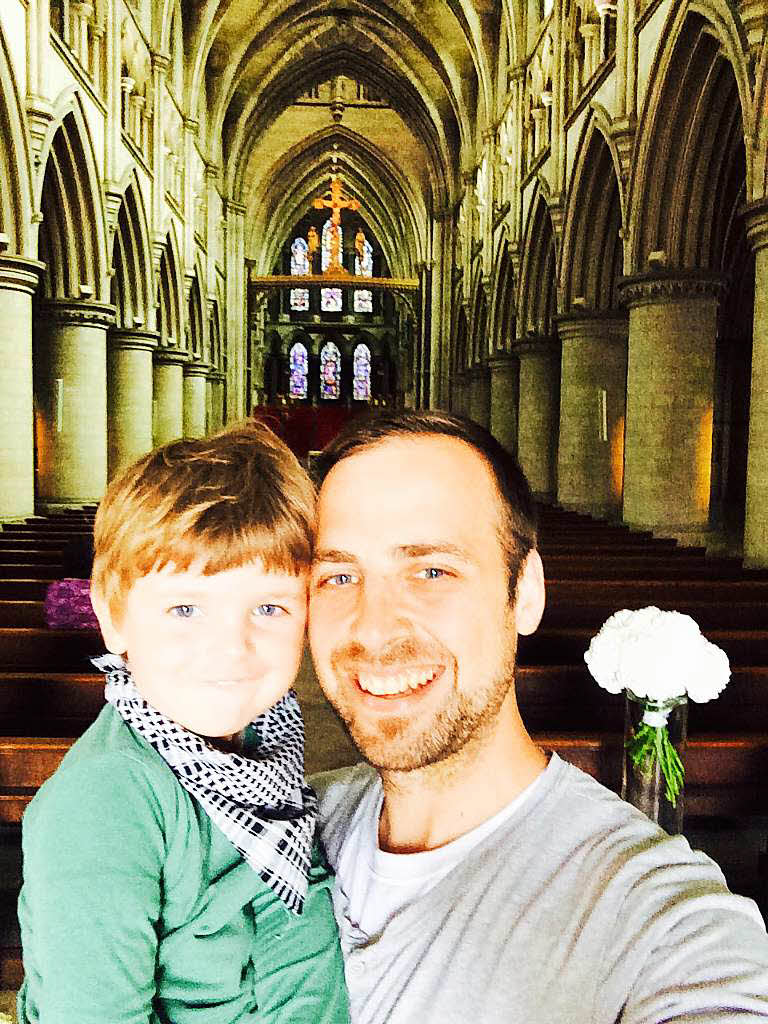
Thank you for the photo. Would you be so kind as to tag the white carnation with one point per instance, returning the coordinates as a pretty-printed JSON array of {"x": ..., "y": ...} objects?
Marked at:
[{"x": 657, "y": 655}]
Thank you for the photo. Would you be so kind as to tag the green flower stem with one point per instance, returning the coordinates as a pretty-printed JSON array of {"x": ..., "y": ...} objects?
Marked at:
[{"x": 651, "y": 745}]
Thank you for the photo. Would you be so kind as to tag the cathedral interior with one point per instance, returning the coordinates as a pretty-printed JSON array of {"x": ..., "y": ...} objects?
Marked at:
[{"x": 549, "y": 215}]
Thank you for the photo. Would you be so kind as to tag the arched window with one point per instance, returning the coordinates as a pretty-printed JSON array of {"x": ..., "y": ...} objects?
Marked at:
[
  {"x": 299, "y": 364},
  {"x": 361, "y": 380},
  {"x": 363, "y": 302},
  {"x": 299, "y": 265},
  {"x": 330, "y": 298},
  {"x": 330, "y": 371}
]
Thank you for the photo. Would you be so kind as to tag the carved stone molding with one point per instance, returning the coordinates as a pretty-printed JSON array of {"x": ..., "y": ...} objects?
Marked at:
[
  {"x": 20, "y": 275},
  {"x": 503, "y": 363},
  {"x": 756, "y": 222},
  {"x": 170, "y": 356},
  {"x": 537, "y": 345},
  {"x": 656, "y": 288},
  {"x": 215, "y": 376},
  {"x": 232, "y": 206},
  {"x": 609, "y": 326},
  {"x": 196, "y": 369},
  {"x": 122, "y": 340},
  {"x": 75, "y": 313}
]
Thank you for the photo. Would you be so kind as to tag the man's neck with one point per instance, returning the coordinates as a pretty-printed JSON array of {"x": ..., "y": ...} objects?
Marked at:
[{"x": 429, "y": 807}]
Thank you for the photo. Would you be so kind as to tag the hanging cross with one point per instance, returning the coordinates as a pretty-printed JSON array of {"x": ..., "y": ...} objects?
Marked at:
[{"x": 335, "y": 204}]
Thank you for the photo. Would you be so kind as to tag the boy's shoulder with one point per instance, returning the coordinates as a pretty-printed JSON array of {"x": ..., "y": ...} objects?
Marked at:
[{"x": 109, "y": 758}]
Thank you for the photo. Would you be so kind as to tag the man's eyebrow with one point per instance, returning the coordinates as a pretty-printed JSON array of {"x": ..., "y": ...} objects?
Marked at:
[
  {"x": 333, "y": 555},
  {"x": 336, "y": 556},
  {"x": 438, "y": 548}
]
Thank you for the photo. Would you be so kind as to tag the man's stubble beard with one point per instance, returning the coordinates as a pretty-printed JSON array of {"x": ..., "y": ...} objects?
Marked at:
[{"x": 396, "y": 746}]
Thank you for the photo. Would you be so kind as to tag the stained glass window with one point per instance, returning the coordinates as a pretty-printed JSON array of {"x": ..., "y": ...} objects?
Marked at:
[
  {"x": 361, "y": 365},
  {"x": 299, "y": 364},
  {"x": 330, "y": 298},
  {"x": 363, "y": 302},
  {"x": 299, "y": 265},
  {"x": 330, "y": 371}
]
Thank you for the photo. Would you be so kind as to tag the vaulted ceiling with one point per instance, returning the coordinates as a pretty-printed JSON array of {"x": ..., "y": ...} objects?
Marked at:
[{"x": 256, "y": 67}]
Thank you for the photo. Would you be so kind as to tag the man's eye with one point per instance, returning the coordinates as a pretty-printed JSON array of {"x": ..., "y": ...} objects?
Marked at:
[
  {"x": 431, "y": 573},
  {"x": 340, "y": 579},
  {"x": 271, "y": 611},
  {"x": 184, "y": 611}
]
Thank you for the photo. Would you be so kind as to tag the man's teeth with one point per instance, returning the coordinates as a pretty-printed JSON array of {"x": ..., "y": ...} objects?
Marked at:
[{"x": 385, "y": 685}]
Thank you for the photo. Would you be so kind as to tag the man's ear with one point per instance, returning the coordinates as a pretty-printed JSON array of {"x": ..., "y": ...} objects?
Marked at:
[
  {"x": 529, "y": 596},
  {"x": 113, "y": 639}
]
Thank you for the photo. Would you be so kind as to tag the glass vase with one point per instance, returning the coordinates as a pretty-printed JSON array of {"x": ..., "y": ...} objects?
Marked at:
[{"x": 647, "y": 752}]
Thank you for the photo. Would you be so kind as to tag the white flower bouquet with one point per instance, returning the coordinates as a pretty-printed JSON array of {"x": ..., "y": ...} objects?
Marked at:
[{"x": 659, "y": 658}]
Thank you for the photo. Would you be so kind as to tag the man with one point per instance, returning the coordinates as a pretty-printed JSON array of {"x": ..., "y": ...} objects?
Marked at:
[{"x": 479, "y": 878}]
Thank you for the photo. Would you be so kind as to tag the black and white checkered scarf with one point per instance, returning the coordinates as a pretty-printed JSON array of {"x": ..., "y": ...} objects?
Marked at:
[{"x": 261, "y": 803}]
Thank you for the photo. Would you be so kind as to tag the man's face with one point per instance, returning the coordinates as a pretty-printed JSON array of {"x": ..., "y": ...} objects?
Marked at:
[{"x": 411, "y": 627}]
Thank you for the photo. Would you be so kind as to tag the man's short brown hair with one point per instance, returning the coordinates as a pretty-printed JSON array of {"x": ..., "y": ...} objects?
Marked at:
[{"x": 219, "y": 503}]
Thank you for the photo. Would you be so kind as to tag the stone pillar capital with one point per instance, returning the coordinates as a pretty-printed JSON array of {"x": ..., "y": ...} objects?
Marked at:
[
  {"x": 77, "y": 313},
  {"x": 215, "y": 375},
  {"x": 196, "y": 369},
  {"x": 20, "y": 275},
  {"x": 161, "y": 62},
  {"x": 611, "y": 326},
  {"x": 756, "y": 222},
  {"x": 536, "y": 345},
  {"x": 122, "y": 340},
  {"x": 170, "y": 356},
  {"x": 658, "y": 288},
  {"x": 502, "y": 362}
]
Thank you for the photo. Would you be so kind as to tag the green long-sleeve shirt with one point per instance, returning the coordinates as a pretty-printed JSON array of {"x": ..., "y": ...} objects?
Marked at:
[{"x": 136, "y": 909}]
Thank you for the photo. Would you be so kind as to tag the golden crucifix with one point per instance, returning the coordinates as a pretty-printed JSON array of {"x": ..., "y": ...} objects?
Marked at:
[{"x": 335, "y": 204}]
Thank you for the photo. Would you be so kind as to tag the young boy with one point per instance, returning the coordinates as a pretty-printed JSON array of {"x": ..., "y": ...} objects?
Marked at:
[{"x": 170, "y": 866}]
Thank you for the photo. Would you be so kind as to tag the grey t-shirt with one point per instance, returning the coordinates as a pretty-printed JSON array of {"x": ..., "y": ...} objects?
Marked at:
[{"x": 575, "y": 910}]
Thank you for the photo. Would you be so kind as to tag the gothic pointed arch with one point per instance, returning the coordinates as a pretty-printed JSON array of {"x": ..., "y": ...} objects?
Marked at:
[
  {"x": 691, "y": 136},
  {"x": 131, "y": 286},
  {"x": 478, "y": 318},
  {"x": 593, "y": 251},
  {"x": 169, "y": 296},
  {"x": 503, "y": 315},
  {"x": 196, "y": 319},
  {"x": 15, "y": 165},
  {"x": 538, "y": 285},
  {"x": 72, "y": 235}
]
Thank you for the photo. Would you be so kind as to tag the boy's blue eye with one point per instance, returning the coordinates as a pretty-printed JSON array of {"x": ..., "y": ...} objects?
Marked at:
[
  {"x": 184, "y": 611},
  {"x": 270, "y": 610}
]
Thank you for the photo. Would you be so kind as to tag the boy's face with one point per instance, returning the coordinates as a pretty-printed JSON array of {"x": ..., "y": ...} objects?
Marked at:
[{"x": 211, "y": 652}]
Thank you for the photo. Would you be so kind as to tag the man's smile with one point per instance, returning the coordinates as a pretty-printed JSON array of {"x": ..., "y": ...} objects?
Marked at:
[{"x": 393, "y": 684}]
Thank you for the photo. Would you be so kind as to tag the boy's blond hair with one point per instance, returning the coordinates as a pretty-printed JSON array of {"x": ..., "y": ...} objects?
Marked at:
[{"x": 218, "y": 502}]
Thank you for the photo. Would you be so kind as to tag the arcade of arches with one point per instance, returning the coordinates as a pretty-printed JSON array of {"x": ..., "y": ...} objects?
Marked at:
[{"x": 579, "y": 188}]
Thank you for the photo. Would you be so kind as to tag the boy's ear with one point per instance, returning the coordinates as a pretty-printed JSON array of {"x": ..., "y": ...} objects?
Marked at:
[
  {"x": 529, "y": 595},
  {"x": 112, "y": 637}
]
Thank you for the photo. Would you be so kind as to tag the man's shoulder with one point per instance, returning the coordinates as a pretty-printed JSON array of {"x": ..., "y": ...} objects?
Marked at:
[
  {"x": 341, "y": 789},
  {"x": 340, "y": 793}
]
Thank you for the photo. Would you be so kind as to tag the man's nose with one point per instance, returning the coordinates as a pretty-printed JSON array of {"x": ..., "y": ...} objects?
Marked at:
[{"x": 379, "y": 614}]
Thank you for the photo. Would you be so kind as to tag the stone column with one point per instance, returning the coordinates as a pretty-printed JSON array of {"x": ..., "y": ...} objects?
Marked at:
[
  {"x": 504, "y": 370},
  {"x": 756, "y": 519},
  {"x": 538, "y": 409},
  {"x": 460, "y": 402},
  {"x": 237, "y": 286},
  {"x": 129, "y": 396},
  {"x": 593, "y": 387},
  {"x": 168, "y": 413},
  {"x": 18, "y": 281},
  {"x": 670, "y": 399},
  {"x": 215, "y": 387},
  {"x": 194, "y": 399},
  {"x": 70, "y": 364},
  {"x": 480, "y": 395}
]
